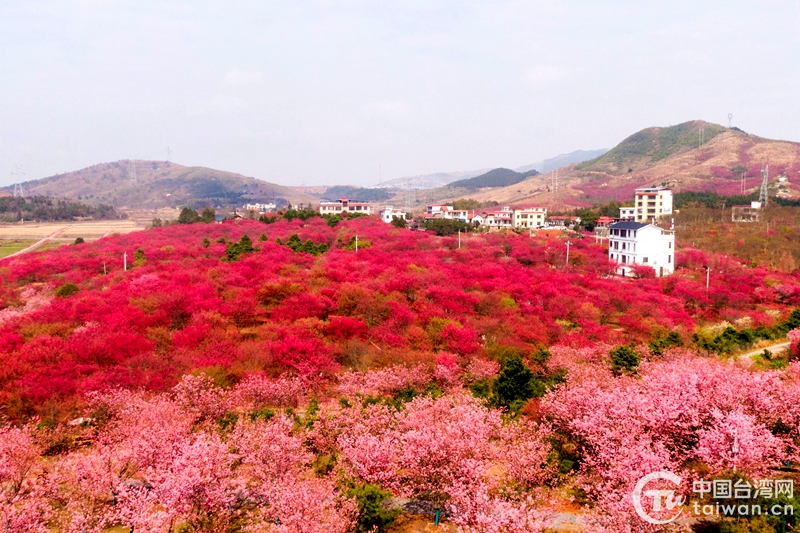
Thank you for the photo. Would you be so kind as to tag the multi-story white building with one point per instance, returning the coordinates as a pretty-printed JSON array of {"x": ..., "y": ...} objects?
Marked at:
[
  {"x": 627, "y": 213},
  {"x": 634, "y": 243},
  {"x": 529, "y": 217},
  {"x": 652, "y": 203},
  {"x": 343, "y": 205},
  {"x": 389, "y": 213}
]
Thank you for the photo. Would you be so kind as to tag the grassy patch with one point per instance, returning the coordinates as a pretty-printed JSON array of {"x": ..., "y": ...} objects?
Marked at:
[{"x": 13, "y": 246}]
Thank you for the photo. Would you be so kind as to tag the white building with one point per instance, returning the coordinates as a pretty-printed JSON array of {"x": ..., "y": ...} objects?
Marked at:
[
  {"x": 634, "y": 243},
  {"x": 343, "y": 205},
  {"x": 261, "y": 208},
  {"x": 389, "y": 213},
  {"x": 498, "y": 218},
  {"x": 627, "y": 213},
  {"x": 652, "y": 202},
  {"x": 530, "y": 217}
]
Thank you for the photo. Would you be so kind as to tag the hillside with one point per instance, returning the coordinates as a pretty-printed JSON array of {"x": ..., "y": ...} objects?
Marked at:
[
  {"x": 160, "y": 184},
  {"x": 671, "y": 156}
]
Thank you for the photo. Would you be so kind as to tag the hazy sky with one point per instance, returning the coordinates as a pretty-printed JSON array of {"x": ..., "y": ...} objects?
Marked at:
[{"x": 329, "y": 92}]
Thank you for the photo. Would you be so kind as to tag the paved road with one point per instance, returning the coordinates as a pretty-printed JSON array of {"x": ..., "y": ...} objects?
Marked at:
[
  {"x": 775, "y": 348},
  {"x": 37, "y": 244}
]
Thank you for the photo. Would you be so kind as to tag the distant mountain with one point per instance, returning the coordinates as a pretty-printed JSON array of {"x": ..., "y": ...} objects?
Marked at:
[
  {"x": 429, "y": 181},
  {"x": 578, "y": 156},
  {"x": 160, "y": 184},
  {"x": 680, "y": 157},
  {"x": 499, "y": 177}
]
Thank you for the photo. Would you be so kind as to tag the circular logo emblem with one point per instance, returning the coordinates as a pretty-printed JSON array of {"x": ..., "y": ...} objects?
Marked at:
[{"x": 663, "y": 500}]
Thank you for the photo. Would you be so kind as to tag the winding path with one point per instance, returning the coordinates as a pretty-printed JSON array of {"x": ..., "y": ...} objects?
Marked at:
[{"x": 774, "y": 348}]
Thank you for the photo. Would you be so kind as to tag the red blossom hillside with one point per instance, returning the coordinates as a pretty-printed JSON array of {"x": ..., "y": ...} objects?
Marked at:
[{"x": 403, "y": 297}]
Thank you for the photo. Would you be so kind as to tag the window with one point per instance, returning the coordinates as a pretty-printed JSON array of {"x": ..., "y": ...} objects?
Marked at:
[
  {"x": 670, "y": 245},
  {"x": 669, "y": 259},
  {"x": 624, "y": 259},
  {"x": 644, "y": 260},
  {"x": 623, "y": 245}
]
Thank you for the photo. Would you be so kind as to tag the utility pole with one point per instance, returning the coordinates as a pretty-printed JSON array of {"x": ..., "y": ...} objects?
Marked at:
[
  {"x": 459, "y": 239},
  {"x": 708, "y": 277},
  {"x": 356, "y": 243},
  {"x": 125, "y": 262},
  {"x": 568, "y": 245}
]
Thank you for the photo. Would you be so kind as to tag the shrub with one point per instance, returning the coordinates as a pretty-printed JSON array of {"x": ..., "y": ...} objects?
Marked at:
[
  {"x": 372, "y": 515},
  {"x": 624, "y": 359},
  {"x": 236, "y": 249},
  {"x": 68, "y": 289}
]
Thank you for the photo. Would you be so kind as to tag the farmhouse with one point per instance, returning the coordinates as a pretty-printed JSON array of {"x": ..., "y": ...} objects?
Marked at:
[
  {"x": 746, "y": 213},
  {"x": 635, "y": 243},
  {"x": 343, "y": 205},
  {"x": 561, "y": 221},
  {"x": 390, "y": 213},
  {"x": 627, "y": 213},
  {"x": 529, "y": 217}
]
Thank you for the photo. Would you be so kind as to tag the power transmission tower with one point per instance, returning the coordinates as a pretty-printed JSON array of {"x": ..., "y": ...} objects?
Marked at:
[
  {"x": 18, "y": 190},
  {"x": 169, "y": 153},
  {"x": 134, "y": 179},
  {"x": 730, "y": 120},
  {"x": 411, "y": 197},
  {"x": 762, "y": 197}
]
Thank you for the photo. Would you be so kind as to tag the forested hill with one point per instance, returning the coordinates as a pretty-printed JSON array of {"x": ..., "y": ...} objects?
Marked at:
[
  {"x": 499, "y": 177},
  {"x": 47, "y": 209}
]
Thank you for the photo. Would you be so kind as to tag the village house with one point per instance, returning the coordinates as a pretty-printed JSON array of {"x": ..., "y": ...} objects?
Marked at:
[
  {"x": 627, "y": 213},
  {"x": 562, "y": 221},
  {"x": 343, "y": 205},
  {"x": 499, "y": 218},
  {"x": 746, "y": 213},
  {"x": 390, "y": 213},
  {"x": 635, "y": 243},
  {"x": 529, "y": 217}
]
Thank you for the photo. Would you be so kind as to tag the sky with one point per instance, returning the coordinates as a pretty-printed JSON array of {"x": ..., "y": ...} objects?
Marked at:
[{"x": 350, "y": 92}]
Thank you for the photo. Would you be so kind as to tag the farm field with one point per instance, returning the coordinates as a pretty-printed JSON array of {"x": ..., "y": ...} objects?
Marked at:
[
  {"x": 270, "y": 376},
  {"x": 8, "y": 247},
  {"x": 89, "y": 230}
]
